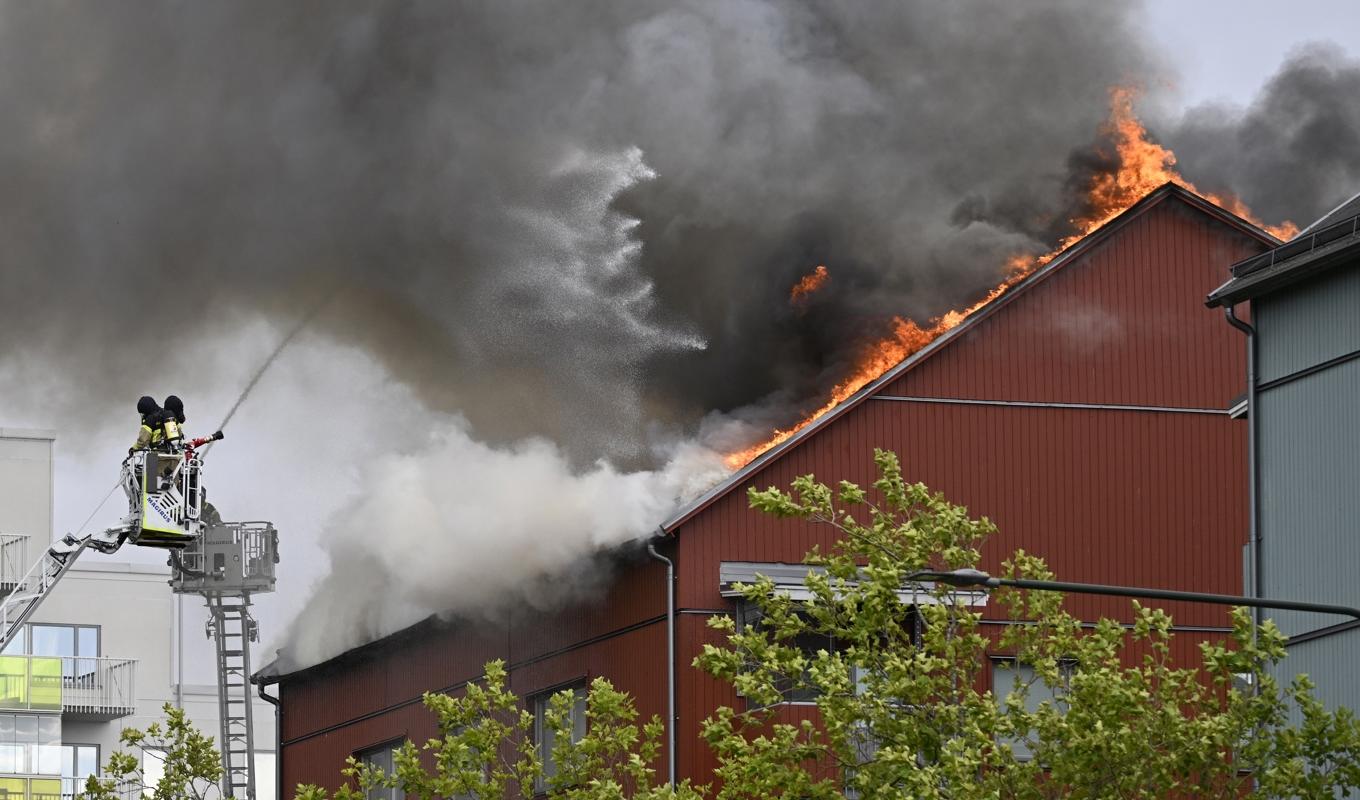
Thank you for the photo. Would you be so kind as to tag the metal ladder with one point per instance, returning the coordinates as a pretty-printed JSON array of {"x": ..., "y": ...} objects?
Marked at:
[
  {"x": 232, "y": 630},
  {"x": 30, "y": 590}
]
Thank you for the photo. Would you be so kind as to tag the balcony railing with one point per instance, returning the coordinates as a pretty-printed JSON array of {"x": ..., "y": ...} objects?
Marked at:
[
  {"x": 95, "y": 689},
  {"x": 99, "y": 688},
  {"x": 13, "y": 560}
]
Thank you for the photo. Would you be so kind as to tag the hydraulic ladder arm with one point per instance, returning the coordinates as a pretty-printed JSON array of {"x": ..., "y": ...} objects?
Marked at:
[{"x": 30, "y": 590}]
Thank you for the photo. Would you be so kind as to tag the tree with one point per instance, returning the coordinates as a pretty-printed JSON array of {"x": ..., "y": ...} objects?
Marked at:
[
  {"x": 485, "y": 750},
  {"x": 192, "y": 766},
  {"x": 898, "y": 683}
]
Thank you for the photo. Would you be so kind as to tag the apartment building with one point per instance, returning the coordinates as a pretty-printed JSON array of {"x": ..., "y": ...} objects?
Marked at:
[{"x": 108, "y": 648}]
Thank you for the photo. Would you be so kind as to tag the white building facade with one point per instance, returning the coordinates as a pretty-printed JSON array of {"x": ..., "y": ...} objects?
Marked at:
[{"x": 105, "y": 651}]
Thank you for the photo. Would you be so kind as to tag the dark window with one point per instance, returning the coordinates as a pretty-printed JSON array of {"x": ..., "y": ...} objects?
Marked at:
[
  {"x": 381, "y": 757},
  {"x": 545, "y": 739},
  {"x": 798, "y": 688},
  {"x": 1008, "y": 675}
]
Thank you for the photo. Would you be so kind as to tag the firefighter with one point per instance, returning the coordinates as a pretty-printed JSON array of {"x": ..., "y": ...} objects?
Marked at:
[
  {"x": 172, "y": 422},
  {"x": 152, "y": 432},
  {"x": 149, "y": 435}
]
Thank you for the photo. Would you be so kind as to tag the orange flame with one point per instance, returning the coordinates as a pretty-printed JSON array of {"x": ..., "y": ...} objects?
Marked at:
[
  {"x": 1144, "y": 166},
  {"x": 808, "y": 284}
]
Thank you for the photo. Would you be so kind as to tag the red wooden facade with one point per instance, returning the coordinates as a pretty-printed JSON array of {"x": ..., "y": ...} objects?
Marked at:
[{"x": 1084, "y": 413}]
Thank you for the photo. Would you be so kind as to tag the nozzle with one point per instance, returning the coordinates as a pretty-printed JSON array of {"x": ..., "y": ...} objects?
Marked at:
[{"x": 217, "y": 436}]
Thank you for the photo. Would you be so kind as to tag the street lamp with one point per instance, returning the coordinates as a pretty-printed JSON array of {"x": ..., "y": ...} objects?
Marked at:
[{"x": 973, "y": 577}]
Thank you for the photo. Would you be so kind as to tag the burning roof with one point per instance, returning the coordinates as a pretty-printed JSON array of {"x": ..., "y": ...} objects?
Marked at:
[{"x": 941, "y": 335}]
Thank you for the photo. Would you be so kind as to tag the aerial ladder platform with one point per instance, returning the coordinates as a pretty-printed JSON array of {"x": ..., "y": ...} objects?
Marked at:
[{"x": 225, "y": 563}]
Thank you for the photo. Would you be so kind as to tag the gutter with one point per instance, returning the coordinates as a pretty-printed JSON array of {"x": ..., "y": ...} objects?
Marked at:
[
  {"x": 670, "y": 658},
  {"x": 278, "y": 737},
  {"x": 1253, "y": 436}
]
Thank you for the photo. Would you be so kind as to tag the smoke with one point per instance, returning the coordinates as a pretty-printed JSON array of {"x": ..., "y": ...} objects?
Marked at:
[
  {"x": 421, "y": 160},
  {"x": 1295, "y": 151},
  {"x": 470, "y": 530},
  {"x": 567, "y": 231}
]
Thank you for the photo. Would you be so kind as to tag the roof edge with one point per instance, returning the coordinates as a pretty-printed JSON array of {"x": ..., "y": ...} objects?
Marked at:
[{"x": 1087, "y": 242}]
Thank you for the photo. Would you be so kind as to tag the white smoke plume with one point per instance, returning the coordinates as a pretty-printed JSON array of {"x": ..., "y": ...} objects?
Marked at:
[{"x": 461, "y": 527}]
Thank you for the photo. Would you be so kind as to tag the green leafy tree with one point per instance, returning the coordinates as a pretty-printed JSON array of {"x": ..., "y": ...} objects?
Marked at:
[
  {"x": 192, "y": 765},
  {"x": 485, "y": 750},
  {"x": 1107, "y": 713}
]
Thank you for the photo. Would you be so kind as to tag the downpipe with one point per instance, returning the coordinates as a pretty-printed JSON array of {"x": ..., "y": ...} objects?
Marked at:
[
  {"x": 278, "y": 739},
  {"x": 670, "y": 660},
  {"x": 1256, "y": 572}
]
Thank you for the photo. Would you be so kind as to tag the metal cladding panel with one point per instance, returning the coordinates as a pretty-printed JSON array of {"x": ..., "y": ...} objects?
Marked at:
[
  {"x": 1310, "y": 461},
  {"x": 633, "y": 661},
  {"x": 318, "y": 760},
  {"x": 1124, "y": 323},
  {"x": 1330, "y": 663},
  {"x": 361, "y": 685},
  {"x": 446, "y": 654},
  {"x": 1106, "y": 496},
  {"x": 610, "y": 598},
  {"x": 1305, "y": 325},
  {"x": 699, "y": 694}
]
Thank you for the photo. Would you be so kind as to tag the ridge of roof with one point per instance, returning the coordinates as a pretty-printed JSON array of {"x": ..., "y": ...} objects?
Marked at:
[
  {"x": 1079, "y": 247},
  {"x": 1335, "y": 215}
]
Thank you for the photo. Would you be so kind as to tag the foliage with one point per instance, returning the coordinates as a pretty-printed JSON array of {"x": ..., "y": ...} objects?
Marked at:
[
  {"x": 898, "y": 677},
  {"x": 192, "y": 765},
  {"x": 901, "y": 708},
  {"x": 485, "y": 750}
]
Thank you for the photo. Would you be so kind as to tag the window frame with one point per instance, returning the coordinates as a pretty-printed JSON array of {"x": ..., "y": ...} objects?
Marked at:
[
  {"x": 538, "y": 705},
  {"x": 75, "y": 782},
  {"x": 748, "y": 614},
  {"x": 389, "y": 747},
  {"x": 1066, "y": 667}
]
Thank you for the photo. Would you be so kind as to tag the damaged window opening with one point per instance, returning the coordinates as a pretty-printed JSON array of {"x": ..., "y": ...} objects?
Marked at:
[{"x": 545, "y": 738}]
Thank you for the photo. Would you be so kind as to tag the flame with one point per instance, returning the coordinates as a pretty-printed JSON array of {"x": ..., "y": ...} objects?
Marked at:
[
  {"x": 808, "y": 284},
  {"x": 1143, "y": 166}
]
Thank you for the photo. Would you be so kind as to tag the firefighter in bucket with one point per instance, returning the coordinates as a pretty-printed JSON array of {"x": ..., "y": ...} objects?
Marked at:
[{"x": 162, "y": 479}]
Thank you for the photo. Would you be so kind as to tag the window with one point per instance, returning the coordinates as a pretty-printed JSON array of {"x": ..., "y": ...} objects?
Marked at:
[
  {"x": 1009, "y": 675},
  {"x": 77, "y": 645},
  {"x": 381, "y": 757},
  {"x": 78, "y": 762},
  {"x": 797, "y": 689},
  {"x": 30, "y": 744},
  {"x": 545, "y": 738}
]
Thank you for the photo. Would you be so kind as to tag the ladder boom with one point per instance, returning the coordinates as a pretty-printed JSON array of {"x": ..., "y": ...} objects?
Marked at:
[
  {"x": 232, "y": 629},
  {"x": 32, "y": 589}
]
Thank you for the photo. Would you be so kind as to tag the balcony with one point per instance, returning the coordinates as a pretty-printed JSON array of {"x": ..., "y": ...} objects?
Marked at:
[
  {"x": 82, "y": 689},
  {"x": 13, "y": 560}
]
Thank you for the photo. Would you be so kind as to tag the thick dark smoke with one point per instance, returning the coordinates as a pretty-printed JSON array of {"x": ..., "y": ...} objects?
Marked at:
[
  {"x": 467, "y": 177},
  {"x": 566, "y": 230},
  {"x": 1295, "y": 151}
]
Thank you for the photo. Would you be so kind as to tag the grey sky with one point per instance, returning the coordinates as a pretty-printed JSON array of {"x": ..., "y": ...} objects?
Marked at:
[{"x": 1227, "y": 49}]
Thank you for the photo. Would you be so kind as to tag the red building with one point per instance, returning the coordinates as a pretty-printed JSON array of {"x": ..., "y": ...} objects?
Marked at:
[{"x": 1085, "y": 412}]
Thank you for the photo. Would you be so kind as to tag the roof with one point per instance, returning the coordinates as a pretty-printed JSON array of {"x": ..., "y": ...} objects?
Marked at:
[
  {"x": 1331, "y": 241},
  {"x": 1091, "y": 240},
  {"x": 284, "y": 666},
  {"x": 1346, "y": 210}
]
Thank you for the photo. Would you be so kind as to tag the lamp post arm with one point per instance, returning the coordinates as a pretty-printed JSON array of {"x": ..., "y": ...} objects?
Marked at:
[
  {"x": 974, "y": 577},
  {"x": 1169, "y": 594}
]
